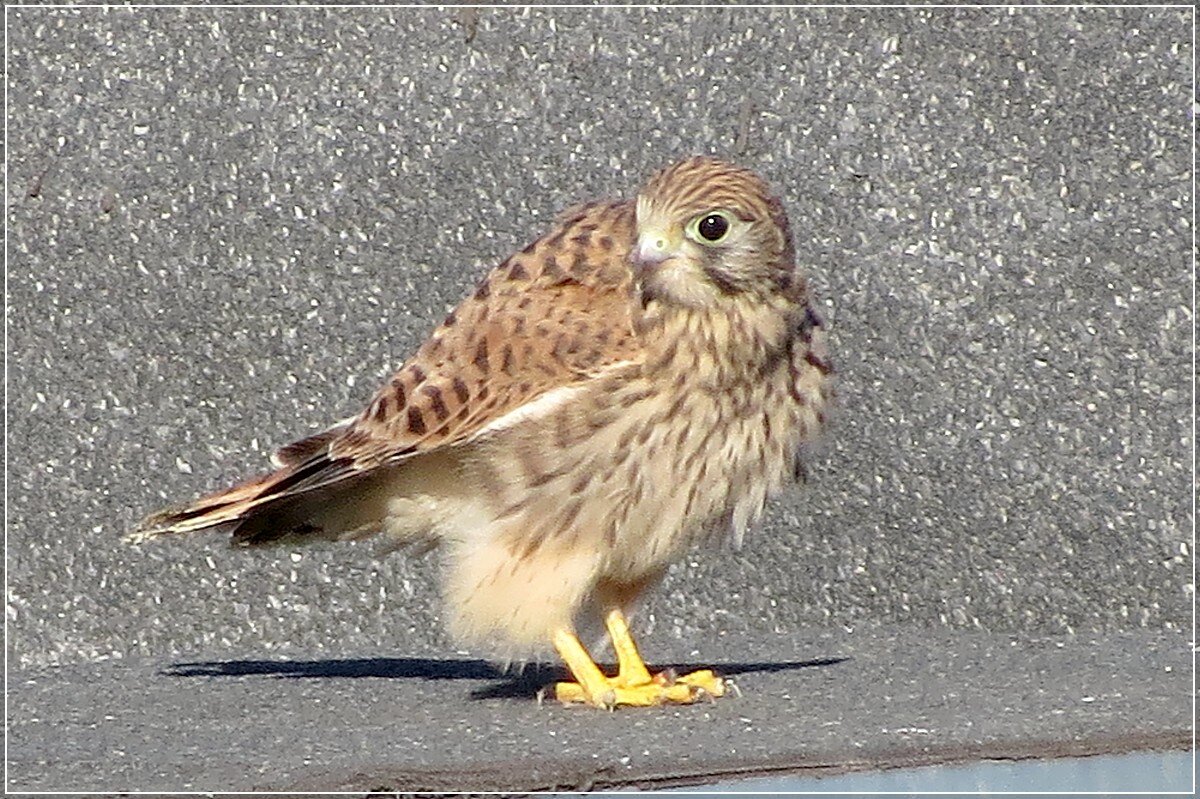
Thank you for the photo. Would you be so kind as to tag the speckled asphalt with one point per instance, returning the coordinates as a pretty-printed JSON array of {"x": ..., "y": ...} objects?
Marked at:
[
  {"x": 226, "y": 227},
  {"x": 428, "y": 720}
]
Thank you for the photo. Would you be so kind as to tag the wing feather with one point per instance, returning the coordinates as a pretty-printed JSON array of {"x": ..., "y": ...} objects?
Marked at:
[{"x": 553, "y": 315}]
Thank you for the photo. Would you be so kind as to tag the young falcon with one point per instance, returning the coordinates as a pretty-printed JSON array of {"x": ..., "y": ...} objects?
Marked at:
[{"x": 632, "y": 384}]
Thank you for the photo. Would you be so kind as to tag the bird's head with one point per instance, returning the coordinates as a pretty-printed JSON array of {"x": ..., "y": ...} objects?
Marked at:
[{"x": 708, "y": 231}]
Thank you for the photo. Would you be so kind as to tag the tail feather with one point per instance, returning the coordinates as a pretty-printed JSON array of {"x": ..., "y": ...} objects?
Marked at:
[
  {"x": 260, "y": 510},
  {"x": 209, "y": 512}
]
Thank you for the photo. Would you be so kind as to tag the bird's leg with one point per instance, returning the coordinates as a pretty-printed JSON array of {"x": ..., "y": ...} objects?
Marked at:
[
  {"x": 631, "y": 669},
  {"x": 591, "y": 685},
  {"x": 633, "y": 684}
]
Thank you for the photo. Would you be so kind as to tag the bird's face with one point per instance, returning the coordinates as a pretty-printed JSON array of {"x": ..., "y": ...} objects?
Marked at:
[{"x": 708, "y": 232}]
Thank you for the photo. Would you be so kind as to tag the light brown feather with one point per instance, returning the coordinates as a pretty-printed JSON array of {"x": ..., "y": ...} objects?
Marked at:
[{"x": 553, "y": 315}]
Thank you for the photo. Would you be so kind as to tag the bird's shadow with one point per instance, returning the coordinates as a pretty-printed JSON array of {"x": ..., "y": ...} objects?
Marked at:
[{"x": 511, "y": 684}]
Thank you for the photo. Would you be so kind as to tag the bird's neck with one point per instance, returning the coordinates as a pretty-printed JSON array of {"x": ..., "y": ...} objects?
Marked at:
[{"x": 721, "y": 346}]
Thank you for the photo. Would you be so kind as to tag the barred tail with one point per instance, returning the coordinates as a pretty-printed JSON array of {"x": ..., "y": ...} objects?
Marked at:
[
  {"x": 213, "y": 512},
  {"x": 318, "y": 497}
]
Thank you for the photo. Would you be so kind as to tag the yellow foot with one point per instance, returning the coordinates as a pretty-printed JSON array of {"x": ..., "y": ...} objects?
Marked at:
[{"x": 662, "y": 689}]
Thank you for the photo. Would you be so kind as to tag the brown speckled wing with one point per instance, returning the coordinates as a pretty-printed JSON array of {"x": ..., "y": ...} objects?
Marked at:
[{"x": 550, "y": 316}]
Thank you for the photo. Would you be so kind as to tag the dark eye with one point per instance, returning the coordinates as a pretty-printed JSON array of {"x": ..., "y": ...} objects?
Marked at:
[{"x": 713, "y": 227}]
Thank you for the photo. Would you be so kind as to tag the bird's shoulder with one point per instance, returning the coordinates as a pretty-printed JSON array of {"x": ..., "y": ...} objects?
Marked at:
[{"x": 556, "y": 314}]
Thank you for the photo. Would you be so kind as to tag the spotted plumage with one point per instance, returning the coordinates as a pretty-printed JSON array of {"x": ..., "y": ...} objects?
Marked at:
[{"x": 635, "y": 382}]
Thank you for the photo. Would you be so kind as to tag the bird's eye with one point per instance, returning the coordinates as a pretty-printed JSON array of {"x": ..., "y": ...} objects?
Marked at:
[{"x": 711, "y": 228}]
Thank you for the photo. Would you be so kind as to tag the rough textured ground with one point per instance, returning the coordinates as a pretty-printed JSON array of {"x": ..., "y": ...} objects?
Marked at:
[
  {"x": 816, "y": 704},
  {"x": 227, "y": 226}
]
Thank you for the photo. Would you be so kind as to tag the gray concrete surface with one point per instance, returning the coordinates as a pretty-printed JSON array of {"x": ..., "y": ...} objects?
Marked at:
[
  {"x": 815, "y": 704},
  {"x": 226, "y": 226}
]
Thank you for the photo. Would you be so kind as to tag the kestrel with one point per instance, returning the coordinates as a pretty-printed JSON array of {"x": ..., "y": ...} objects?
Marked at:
[{"x": 632, "y": 384}]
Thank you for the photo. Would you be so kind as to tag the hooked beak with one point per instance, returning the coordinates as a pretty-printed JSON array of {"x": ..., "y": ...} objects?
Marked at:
[{"x": 652, "y": 248}]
